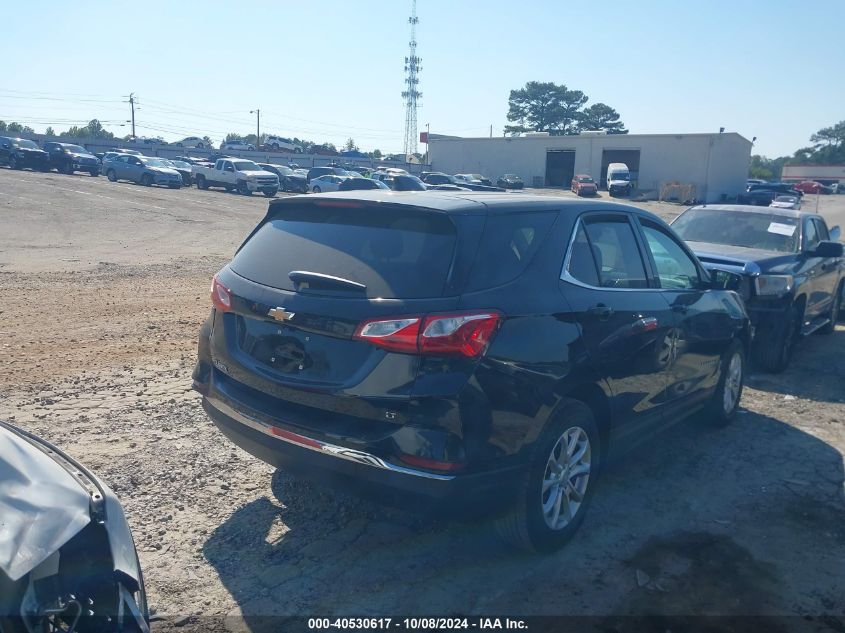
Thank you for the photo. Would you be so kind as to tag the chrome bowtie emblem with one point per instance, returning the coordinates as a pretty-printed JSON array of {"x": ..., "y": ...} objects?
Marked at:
[{"x": 280, "y": 314}]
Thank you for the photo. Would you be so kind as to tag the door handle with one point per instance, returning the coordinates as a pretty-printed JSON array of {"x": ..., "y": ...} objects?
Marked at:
[
  {"x": 601, "y": 311},
  {"x": 680, "y": 309}
]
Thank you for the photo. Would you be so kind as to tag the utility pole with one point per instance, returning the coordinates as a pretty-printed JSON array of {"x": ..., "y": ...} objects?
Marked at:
[
  {"x": 491, "y": 130},
  {"x": 132, "y": 105},
  {"x": 257, "y": 114}
]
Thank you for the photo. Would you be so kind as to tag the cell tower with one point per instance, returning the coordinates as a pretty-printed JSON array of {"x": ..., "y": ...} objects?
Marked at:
[{"x": 411, "y": 94}]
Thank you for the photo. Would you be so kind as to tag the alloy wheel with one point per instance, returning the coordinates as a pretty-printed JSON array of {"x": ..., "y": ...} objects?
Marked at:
[
  {"x": 566, "y": 477},
  {"x": 733, "y": 383}
]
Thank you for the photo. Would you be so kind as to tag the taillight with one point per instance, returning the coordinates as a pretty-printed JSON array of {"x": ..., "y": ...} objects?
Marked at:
[
  {"x": 220, "y": 295},
  {"x": 466, "y": 334}
]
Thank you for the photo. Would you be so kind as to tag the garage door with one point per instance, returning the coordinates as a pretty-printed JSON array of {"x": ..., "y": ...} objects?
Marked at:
[
  {"x": 560, "y": 167},
  {"x": 631, "y": 157}
]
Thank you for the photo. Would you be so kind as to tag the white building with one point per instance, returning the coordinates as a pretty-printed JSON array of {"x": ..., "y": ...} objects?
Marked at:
[
  {"x": 716, "y": 165},
  {"x": 820, "y": 173}
]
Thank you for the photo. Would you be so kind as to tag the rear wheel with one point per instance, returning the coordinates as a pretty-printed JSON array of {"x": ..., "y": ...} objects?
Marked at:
[
  {"x": 94, "y": 172},
  {"x": 201, "y": 182},
  {"x": 774, "y": 352},
  {"x": 725, "y": 400},
  {"x": 559, "y": 483},
  {"x": 13, "y": 162}
]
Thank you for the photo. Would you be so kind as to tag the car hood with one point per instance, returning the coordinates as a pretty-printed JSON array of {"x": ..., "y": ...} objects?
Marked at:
[
  {"x": 43, "y": 505},
  {"x": 741, "y": 259},
  {"x": 260, "y": 172}
]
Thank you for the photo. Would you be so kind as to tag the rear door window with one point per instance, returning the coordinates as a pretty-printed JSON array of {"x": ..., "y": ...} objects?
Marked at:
[
  {"x": 507, "y": 247},
  {"x": 617, "y": 256},
  {"x": 395, "y": 253}
]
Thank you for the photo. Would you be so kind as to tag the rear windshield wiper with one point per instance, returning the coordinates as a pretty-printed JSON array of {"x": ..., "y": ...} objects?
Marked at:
[{"x": 305, "y": 280}]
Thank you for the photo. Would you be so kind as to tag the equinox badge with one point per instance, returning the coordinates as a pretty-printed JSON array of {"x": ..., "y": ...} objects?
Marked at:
[{"x": 280, "y": 314}]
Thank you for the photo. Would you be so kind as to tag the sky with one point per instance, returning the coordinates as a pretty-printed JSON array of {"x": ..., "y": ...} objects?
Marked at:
[{"x": 332, "y": 70}]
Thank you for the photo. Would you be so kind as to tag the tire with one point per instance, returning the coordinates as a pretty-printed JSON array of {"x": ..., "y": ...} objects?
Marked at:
[
  {"x": 13, "y": 162},
  {"x": 316, "y": 189},
  {"x": 531, "y": 522},
  {"x": 243, "y": 189},
  {"x": 272, "y": 193},
  {"x": 835, "y": 311},
  {"x": 724, "y": 403},
  {"x": 773, "y": 353},
  {"x": 175, "y": 186},
  {"x": 94, "y": 173},
  {"x": 67, "y": 169},
  {"x": 201, "y": 182},
  {"x": 111, "y": 175},
  {"x": 147, "y": 180}
]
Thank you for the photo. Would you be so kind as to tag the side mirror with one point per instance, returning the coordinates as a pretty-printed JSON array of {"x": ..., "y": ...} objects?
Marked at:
[
  {"x": 724, "y": 280},
  {"x": 835, "y": 234},
  {"x": 827, "y": 249}
]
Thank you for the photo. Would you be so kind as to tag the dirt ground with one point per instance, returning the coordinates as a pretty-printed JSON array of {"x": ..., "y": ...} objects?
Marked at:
[{"x": 104, "y": 287}]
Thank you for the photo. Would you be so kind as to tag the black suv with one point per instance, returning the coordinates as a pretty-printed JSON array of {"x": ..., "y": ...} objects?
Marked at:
[
  {"x": 20, "y": 153},
  {"x": 791, "y": 265},
  {"x": 68, "y": 158},
  {"x": 480, "y": 350}
]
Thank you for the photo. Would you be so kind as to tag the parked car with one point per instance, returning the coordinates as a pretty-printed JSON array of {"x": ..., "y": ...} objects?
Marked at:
[
  {"x": 185, "y": 170},
  {"x": 811, "y": 186},
  {"x": 316, "y": 172},
  {"x": 510, "y": 181},
  {"x": 21, "y": 153},
  {"x": 759, "y": 197},
  {"x": 448, "y": 350},
  {"x": 193, "y": 141},
  {"x": 143, "y": 140},
  {"x": 786, "y": 202},
  {"x": 237, "y": 174},
  {"x": 69, "y": 158},
  {"x": 326, "y": 182},
  {"x": 280, "y": 143},
  {"x": 238, "y": 145},
  {"x": 791, "y": 264},
  {"x": 354, "y": 183},
  {"x": 584, "y": 185},
  {"x": 439, "y": 178},
  {"x": 786, "y": 188},
  {"x": 447, "y": 187},
  {"x": 67, "y": 558},
  {"x": 482, "y": 180},
  {"x": 407, "y": 183},
  {"x": 143, "y": 170},
  {"x": 288, "y": 179}
]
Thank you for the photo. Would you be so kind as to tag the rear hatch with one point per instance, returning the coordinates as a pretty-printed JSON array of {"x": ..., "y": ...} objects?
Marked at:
[{"x": 303, "y": 284}]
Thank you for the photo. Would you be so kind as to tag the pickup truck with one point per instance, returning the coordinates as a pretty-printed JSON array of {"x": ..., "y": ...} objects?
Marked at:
[
  {"x": 236, "y": 174},
  {"x": 790, "y": 267}
]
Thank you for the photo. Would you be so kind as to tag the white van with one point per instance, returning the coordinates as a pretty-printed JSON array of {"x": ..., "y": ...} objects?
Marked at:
[
  {"x": 280, "y": 143},
  {"x": 618, "y": 179}
]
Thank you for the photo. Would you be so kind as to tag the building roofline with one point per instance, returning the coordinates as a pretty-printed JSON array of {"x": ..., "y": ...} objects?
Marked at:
[{"x": 434, "y": 137}]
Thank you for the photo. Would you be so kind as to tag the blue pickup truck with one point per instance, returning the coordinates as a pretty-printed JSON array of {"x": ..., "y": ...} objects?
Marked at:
[{"x": 790, "y": 265}]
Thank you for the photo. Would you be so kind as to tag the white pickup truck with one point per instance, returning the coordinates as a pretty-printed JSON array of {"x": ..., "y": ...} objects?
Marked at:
[{"x": 236, "y": 174}]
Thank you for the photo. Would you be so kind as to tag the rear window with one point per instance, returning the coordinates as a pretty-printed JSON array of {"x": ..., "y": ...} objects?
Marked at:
[
  {"x": 396, "y": 254},
  {"x": 507, "y": 246}
]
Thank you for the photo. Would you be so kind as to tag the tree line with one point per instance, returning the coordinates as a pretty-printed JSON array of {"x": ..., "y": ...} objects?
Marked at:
[
  {"x": 828, "y": 148},
  {"x": 558, "y": 110}
]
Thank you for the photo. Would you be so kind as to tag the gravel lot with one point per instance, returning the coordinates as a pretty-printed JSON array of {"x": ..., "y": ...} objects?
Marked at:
[{"x": 104, "y": 287}]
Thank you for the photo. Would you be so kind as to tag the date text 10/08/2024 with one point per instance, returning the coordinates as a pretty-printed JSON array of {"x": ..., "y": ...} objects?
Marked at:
[{"x": 416, "y": 624}]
